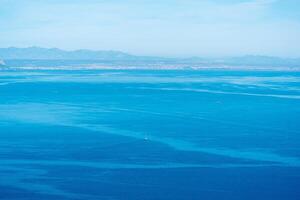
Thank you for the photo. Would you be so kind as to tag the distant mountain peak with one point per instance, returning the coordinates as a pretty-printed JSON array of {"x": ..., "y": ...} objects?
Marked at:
[{"x": 35, "y": 52}]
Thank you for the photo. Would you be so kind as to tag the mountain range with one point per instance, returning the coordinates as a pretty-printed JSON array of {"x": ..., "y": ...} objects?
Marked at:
[
  {"x": 55, "y": 53},
  {"x": 39, "y": 55}
]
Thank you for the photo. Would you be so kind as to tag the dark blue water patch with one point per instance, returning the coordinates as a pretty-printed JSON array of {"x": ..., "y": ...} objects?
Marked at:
[
  {"x": 22, "y": 194},
  {"x": 186, "y": 183}
]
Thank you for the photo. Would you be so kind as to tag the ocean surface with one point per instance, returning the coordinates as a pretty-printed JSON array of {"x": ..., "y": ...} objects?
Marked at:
[{"x": 149, "y": 135}]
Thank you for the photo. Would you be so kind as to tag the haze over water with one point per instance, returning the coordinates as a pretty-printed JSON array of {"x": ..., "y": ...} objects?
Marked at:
[{"x": 146, "y": 134}]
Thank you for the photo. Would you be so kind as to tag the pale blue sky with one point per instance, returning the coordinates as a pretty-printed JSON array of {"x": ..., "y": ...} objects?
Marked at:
[{"x": 155, "y": 27}]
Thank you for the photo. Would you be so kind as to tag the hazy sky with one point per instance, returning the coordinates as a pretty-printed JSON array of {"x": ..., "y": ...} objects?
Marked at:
[{"x": 155, "y": 27}]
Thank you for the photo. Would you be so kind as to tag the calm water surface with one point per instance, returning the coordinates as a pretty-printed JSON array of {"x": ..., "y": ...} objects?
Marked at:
[{"x": 149, "y": 135}]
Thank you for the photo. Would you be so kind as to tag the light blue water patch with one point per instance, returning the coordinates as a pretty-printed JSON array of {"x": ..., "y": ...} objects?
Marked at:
[{"x": 230, "y": 93}]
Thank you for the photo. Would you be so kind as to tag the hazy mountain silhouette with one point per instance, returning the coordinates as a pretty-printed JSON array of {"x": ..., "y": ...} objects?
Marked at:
[
  {"x": 55, "y": 53},
  {"x": 38, "y": 53}
]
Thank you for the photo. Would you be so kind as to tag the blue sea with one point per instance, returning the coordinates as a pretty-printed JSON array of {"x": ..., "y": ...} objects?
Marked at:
[{"x": 149, "y": 135}]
